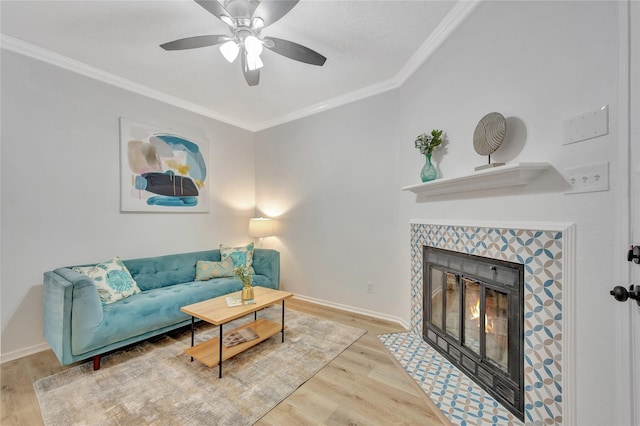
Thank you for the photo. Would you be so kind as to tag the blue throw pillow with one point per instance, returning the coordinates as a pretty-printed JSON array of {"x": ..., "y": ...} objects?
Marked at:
[
  {"x": 112, "y": 278},
  {"x": 240, "y": 255}
]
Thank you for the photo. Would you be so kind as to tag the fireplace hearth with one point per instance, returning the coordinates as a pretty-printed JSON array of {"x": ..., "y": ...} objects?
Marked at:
[{"x": 473, "y": 315}]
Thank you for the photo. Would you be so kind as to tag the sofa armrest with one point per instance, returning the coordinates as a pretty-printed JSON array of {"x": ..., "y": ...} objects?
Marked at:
[
  {"x": 267, "y": 262},
  {"x": 57, "y": 295},
  {"x": 71, "y": 304}
]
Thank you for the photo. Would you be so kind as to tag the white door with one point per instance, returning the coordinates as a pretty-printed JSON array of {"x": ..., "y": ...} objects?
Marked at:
[
  {"x": 634, "y": 185},
  {"x": 635, "y": 277},
  {"x": 628, "y": 398}
]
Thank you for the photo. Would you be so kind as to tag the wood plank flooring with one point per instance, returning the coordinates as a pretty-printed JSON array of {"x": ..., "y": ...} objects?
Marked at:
[{"x": 363, "y": 386}]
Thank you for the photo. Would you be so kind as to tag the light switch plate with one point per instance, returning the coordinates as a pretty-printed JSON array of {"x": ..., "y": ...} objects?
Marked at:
[
  {"x": 592, "y": 178},
  {"x": 587, "y": 126}
]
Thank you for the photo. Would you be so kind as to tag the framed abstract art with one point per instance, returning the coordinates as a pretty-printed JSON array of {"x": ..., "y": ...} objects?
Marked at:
[{"x": 161, "y": 170}]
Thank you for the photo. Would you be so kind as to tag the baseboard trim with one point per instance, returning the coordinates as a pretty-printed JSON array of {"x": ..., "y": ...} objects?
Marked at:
[
  {"x": 20, "y": 353},
  {"x": 355, "y": 310}
]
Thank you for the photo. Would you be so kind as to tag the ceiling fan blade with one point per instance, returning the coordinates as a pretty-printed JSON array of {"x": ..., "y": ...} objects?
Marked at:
[
  {"x": 251, "y": 76},
  {"x": 214, "y": 7},
  {"x": 294, "y": 51},
  {"x": 272, "y": 10},
  {"x": 194, "y": 42}
]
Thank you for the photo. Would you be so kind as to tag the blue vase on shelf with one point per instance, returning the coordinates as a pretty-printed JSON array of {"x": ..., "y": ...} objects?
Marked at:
[{"x": 429, "y": 172}]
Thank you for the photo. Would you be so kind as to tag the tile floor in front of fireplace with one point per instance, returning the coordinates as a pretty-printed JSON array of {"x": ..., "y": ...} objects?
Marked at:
[{"x": 456, "y": 395}]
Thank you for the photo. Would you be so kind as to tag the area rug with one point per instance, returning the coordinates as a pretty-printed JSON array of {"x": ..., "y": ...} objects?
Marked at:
[{"x": 156, "y": 384}]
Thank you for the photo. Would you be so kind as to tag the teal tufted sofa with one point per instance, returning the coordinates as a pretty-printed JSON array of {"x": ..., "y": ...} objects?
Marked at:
[{"x": 78, "y": 327}]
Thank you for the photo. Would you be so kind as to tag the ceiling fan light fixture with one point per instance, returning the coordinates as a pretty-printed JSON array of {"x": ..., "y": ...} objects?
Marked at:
[
  {"x": 257, "y": 23},
  {"x": 230, "y": 50},
  {"x": 253, "y": 45},
  {"x": 227, "y": 20},
  {"x": 246, "y": 20},
  {"x": 253, "y": 62}
]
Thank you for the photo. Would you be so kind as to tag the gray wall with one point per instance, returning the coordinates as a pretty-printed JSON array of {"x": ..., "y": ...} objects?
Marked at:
[
  {"x": 60, "y": 185},
  {"x": 334, "y": 179},
  {"x": 329, "y": 180}
]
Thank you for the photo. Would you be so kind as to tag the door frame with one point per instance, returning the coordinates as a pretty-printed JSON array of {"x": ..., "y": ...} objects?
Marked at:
[
  {"x": 634, "y": 207},
  {"x": 628, "y": 203}
]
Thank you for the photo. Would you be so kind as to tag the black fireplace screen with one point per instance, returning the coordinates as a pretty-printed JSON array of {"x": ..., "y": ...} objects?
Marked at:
[{"x": 473, "y": 315}]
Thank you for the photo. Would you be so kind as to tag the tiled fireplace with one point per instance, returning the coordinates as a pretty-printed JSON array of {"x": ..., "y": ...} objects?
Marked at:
[{"x": 543, "y": 251}]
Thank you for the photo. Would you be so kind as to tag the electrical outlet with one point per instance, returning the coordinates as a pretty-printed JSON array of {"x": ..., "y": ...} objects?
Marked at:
[
  {"x": 370, "y": 287},
  {"x": 592, "y": 178}
]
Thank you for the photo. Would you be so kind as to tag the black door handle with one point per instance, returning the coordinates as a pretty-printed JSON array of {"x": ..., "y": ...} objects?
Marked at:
[{"x": 621, "y": 294}]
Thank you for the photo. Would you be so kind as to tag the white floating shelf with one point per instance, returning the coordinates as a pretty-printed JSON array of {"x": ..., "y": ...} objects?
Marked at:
[{"x": 498, "y": 177}]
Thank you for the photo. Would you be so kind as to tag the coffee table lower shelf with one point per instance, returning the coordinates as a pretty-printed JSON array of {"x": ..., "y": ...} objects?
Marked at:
[{"x": 208, "y": 352}]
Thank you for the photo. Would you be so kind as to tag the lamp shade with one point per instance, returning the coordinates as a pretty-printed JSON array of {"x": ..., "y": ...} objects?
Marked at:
[
  {"x": 260, "y": 227},
  {"x": 230, "y": 50},
  {"x": 254, "y": 62}
]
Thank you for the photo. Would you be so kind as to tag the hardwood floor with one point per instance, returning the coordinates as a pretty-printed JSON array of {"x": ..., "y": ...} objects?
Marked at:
[{"x": 363, "y": 386}]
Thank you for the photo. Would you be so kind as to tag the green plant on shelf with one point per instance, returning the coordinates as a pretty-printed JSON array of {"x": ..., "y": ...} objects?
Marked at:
[{"x": 427, "y": 143}]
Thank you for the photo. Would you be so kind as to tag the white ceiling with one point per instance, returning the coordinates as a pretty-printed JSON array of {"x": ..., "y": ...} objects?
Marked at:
[{"x": 369, "y": 45}]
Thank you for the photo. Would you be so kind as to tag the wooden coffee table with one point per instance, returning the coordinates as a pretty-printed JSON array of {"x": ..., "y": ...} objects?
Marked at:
[{"x": 215, "y": 311}]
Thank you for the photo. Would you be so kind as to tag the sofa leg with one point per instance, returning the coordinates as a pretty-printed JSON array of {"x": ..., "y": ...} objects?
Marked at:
[{"x": 96, "y": 362}]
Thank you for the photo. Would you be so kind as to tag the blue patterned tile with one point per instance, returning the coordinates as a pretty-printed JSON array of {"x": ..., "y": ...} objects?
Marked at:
[
  {"x": 455, "y": 394},
  {"x": 541, "y": 254}
]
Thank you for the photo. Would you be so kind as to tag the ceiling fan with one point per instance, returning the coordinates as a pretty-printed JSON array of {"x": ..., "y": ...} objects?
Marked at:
[{"x": 246, "y": 19}]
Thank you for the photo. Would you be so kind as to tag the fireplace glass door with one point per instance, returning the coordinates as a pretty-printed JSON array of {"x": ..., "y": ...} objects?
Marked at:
[
  {"x": 496, "y": 307},
  {"x": 436, "y": 298},
  {"x": 445, "y": 302},
  {"x": 452, "y": 308},
  {"x": 473, "y": 315},
  {"x": 495, "y": 322}
]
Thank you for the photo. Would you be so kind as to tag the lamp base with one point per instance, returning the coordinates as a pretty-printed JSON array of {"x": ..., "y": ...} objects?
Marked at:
[{"x": 247, "y": 293}]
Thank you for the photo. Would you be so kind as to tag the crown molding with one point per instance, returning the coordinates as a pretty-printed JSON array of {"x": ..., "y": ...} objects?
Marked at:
[
  {"x": 36, "y": 52},
  {"x": 445, "y": 28},
  {"x": 458, "y": 13},
  {"x": 347, "y": 98}
]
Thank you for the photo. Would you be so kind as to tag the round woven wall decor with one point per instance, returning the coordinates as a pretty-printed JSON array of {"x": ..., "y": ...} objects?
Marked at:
[{"x": 489, "y": 133}]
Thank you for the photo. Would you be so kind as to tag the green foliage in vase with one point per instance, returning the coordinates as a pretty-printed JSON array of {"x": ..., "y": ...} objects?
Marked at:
[
  {"x": 427, "y": 143},
  {"x": 243, "y": 274}
]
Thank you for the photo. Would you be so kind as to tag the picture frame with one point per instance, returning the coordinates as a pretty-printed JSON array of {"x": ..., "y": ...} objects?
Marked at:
[{"x": 162, "y": 170}]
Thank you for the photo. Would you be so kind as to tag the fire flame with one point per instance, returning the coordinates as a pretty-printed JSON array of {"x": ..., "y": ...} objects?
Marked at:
[
  {"x": 474, "y": 312},
  {"x": 488, "y": 324}
]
